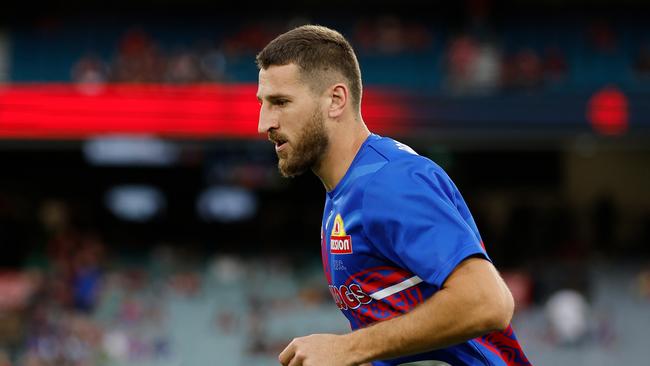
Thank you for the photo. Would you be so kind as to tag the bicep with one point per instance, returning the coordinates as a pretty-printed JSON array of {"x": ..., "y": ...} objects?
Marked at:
[
  {"x": 477, "y": 282},
  {"x": 475, "y": 274}
]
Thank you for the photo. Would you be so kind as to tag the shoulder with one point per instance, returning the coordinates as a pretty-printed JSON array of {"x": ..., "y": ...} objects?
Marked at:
[
  {"x": 390, "y": 149},
  {"x": 405, "y": 171}
]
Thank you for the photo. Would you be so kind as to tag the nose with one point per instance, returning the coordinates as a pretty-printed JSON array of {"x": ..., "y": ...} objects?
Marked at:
[{"x": 267, "y": 120}]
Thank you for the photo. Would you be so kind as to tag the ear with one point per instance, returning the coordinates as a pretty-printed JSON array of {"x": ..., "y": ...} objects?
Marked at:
[{"x": 339, "y": 94}]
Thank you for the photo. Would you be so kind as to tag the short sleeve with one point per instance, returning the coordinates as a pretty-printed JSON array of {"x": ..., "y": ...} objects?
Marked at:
[{"x": 411, "y": 213}]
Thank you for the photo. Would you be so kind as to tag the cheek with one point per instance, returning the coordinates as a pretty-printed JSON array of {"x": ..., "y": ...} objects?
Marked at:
[{"x": 292, "y": 123}]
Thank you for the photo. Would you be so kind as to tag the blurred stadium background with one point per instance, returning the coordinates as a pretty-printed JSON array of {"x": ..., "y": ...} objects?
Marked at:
[{"x": 142, "y": 220}]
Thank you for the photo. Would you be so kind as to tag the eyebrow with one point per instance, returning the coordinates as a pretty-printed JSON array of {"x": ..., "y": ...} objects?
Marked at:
[{"x": 274, "y": 97}]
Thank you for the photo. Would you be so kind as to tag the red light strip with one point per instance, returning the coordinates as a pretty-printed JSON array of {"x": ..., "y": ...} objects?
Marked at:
[{"x": 68, "y": 111}]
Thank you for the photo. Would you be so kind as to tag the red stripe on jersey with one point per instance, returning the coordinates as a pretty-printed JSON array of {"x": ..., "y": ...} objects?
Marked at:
[
  {"x": 377, "y": 278},
  {"x": 505, "y": 346}
]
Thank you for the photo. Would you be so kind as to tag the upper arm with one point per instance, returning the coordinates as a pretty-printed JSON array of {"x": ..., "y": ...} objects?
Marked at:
[
  {"x": 476, "y": 280},
  {"x": 412, "y": 216},
  {"x": 471, "y": 273}
]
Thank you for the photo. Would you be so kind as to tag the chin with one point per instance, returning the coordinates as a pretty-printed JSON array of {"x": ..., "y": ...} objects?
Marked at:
[{"x": 290, "y": 171}]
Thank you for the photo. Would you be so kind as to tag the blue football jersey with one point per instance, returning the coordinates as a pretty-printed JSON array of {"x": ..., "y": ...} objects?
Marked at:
[{"x": 393, "y": 230}]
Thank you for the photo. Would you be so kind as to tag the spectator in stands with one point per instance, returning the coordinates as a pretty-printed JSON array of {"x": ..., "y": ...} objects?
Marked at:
[
  {"x": 212, "y": 61},
  {"x": 523, "y": 70},
  {"x": 183, "y": 67},
  {"x": 460, "y": 59},
  {"x": 250, "y": 38},
  {"x": 473, "y": 67},
  {"x": 567, "y": 312},
  {"x": 486, "y": 72},
  {"x": 138, "y": 59},
  {"x": 390, "y": 35},
  {"x": 91, "y": 73},
  {"x": 88, "y": 272}
]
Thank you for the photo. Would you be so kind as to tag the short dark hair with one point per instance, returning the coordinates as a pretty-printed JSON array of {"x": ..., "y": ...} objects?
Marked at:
[{"x": 316, "y": 50}]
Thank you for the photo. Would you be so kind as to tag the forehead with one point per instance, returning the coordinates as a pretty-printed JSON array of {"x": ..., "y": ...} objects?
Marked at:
[{"x": 283, "y": 79}]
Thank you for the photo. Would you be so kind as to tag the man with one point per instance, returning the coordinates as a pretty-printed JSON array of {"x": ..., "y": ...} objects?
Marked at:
[{"x": 401, "y": 252}]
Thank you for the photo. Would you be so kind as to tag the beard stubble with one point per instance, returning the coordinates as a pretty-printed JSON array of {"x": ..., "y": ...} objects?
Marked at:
[{"x": 307, "y": 148}]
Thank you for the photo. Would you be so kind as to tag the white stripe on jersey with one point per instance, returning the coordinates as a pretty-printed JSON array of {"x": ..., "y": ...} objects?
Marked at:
[{"x": 410, "y": 282}]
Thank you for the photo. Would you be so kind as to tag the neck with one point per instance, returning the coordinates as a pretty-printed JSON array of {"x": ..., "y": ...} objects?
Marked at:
[{"x": 344, "y": 145}]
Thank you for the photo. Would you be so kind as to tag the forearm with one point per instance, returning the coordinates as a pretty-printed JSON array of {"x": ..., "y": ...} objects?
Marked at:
[
  {"x": 453, "y": 315},
  {"x": 418, "y": 331}
]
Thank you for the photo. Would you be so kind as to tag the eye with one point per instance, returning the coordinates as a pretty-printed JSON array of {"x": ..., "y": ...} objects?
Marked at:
[{"x": 281, "y": 102}]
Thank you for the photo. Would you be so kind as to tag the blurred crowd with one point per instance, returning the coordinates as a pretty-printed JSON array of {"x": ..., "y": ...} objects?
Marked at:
[
  {"x": 79, "y": 301},
  {"x": 476, "y": 59},
  {"x": 140, "y": 60}
]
